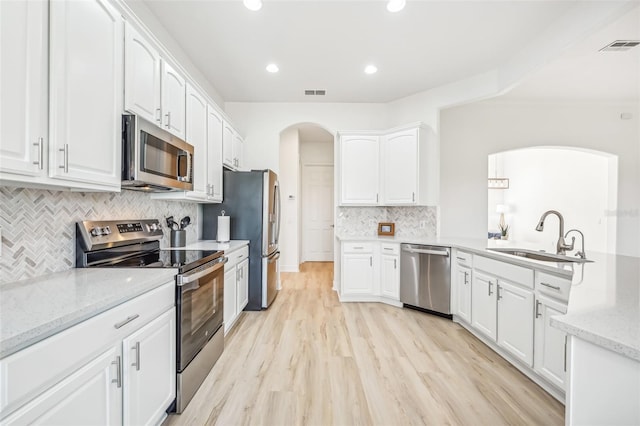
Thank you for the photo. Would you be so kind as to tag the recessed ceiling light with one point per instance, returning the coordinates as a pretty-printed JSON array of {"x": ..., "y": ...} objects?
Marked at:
[
  {"x": 252, "y": 4},
  {"x": 371, "y": 69},
  {"x": 272, "y": 68},
  {"x": 396, "y": 5}
]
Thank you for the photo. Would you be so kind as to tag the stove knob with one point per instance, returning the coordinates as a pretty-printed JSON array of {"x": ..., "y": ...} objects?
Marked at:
[
  {"x": 154, "y": 226},
  {"x": 96, "y": 232},
  {"x": 106, "y": 230}
]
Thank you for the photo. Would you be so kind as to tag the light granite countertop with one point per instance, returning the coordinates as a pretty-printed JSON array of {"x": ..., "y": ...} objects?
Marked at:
[
  {"x": 34, "y": 309},
  {"x": 604, "y": 300}
]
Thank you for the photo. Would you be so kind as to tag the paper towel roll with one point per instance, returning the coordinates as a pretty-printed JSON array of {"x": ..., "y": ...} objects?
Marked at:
[{"x": 223, "y": 229}]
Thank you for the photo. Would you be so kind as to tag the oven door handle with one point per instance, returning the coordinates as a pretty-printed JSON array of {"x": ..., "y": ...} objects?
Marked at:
[{"x": 186, "y": 279}]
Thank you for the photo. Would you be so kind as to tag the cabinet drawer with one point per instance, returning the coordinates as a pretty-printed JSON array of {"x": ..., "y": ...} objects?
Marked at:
[
  {"x": 355, "y": 247},
  {"x": 236, "y": 256},
  {"x": 389, "y": 248},
  {"x": 553, "y": 286},
  {"x": 35, "y": 369},
  {"x": 464, "y": 259},
  {"x": 514, "y": 273}
]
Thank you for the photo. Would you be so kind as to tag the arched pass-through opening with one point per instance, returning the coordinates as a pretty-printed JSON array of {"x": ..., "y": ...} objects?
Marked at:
[
  {"x": 306, "y": 175},
  {"x": 581, "y": 184}
]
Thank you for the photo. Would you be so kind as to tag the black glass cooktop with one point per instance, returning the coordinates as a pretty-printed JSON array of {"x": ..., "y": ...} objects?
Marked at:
[{"x": 185, "y": 260}]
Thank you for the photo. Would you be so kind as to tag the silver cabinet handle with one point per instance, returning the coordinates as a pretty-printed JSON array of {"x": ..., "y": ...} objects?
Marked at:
[
  {"x": 466, "y": 277},
  {"x": 538, "y": 309},
  {"x": 413, "y": 197},
  {"x": 158, "y": 115},
  {"x": 555, "y": 287},
  {"x": 65, "y": 159},
  {"x": 40, "y": 145},
  {"x": 498, "y": 295},
  {"x": 377, "y": 198},
  {"x": 126, "y": 321},
  {"x": 118, "y": 379},
  {"x": 490, "y": 284},
  {"x": 370, "y": 260},
  {"x": 461, "y": 258},
  {"x": 358, "y": 248},
  {"x": 395, "y": 264},
  {"x": 136, "y": 364},
  {"x": 168, "y": 115}
]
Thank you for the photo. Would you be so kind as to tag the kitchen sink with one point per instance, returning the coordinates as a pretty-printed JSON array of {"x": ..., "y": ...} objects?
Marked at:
[{"x": 539, "y": 255}]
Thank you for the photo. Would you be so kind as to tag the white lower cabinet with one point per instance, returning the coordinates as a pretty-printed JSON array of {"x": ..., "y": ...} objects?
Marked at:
[
  {"x": 515, "y": 321},
  {"x": 357, "y": 270},
  {"x": 550, "y": 343},
  {"x": 115, "y": 368},
  {"x": 89, "y": 396},
  {"x": 242, "y": 285},
  {"x": 463, "y": 295},
  {"x": 236, "y": 286},
  {"x": 390, "y": 276},
  {"x": 483, "y": 304},
  {"x": 147, "y": 355}
]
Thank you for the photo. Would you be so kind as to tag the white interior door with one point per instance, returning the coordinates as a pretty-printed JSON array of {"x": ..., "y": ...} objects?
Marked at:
[{"x": 317, "y": 213}]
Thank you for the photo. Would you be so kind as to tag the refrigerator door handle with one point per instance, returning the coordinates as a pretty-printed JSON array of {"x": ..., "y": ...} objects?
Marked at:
[{"x": 277, "y": 208}]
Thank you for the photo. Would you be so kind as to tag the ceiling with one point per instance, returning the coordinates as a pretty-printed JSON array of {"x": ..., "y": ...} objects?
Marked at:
[
  {"x": 586, "y": 73},
  {"x": 326, "y": 44}
]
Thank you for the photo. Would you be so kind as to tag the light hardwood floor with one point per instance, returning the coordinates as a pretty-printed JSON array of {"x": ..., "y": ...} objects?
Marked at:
[{"x": 310, "y": 360}]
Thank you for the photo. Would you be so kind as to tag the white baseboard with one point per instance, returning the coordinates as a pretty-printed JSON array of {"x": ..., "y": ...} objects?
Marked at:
[{"x": 289, "y": 268}]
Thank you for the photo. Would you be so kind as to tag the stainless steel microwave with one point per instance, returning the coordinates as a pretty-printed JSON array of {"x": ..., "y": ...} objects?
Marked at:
[{"x": 153, "y": 159}]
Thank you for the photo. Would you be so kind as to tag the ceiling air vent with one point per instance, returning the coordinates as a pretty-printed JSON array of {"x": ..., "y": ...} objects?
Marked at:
[
  {"x": 315, "y": 92},
  {"x": 620, "y": 46}
]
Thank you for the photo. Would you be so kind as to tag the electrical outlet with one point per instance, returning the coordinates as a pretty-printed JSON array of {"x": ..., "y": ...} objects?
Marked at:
[{"x": 423, "y": 224}]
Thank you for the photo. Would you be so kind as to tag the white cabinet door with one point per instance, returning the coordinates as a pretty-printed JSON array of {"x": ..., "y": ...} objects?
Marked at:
[
  {"x": 400, "y": 168},
  {"x": 242, "y": 291},
  {"x": 196, "y": 135},
  {"x": 463, "y": 292},
  {"x": 23, "y": 84},
  {"x": 550, "y": 343},
  {"x": 238, "y": 151},
  {"x": 227, "y": 145},
  {"x": 173, "y": 100},
  {"x": 149, "y": 358},
  {"x": 86, "y": 92},
  {"x": 390, "y": 276},
  {"x": 483, "y": 304},
  {"x": 214, "y": 154},
  {"x": 230, "y": 299},
  {"x": 141, "y": 77},
  {"x": 90, "y": 396},
  {"x": 359, "y": 170},
  {"x": 357, "y": 274},
  {"x": 515, "y": 321}
]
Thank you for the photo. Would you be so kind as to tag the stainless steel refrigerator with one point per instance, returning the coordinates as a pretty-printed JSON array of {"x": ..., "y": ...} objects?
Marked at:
[{"x": 252, "y": 200}]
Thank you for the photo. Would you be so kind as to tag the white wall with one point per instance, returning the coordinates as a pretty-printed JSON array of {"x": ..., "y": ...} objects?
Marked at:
[
  {"x": 574, "y": 182},
  {"x": 261, "y": 124},
  {"x": 289, "y": 178},
  {"x": 470, "y": 133}
]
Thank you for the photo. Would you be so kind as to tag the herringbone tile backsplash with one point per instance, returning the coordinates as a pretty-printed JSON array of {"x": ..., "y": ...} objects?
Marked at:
[
  {"x": 363, "y": 221},
  {"x": 38, "y": 226}
]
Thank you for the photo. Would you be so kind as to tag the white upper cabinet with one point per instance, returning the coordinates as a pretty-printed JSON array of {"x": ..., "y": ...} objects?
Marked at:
[
  {"x": 394, "y": 168},
  {"x": 359, "y": 170},
  {"x": 400, "y": 167},
  {"x": 86, "y": 93},
  {"x": 238, "y": 151},
  {"x": 196, "y": 135},
  {"x": 23, "y": 83},
  {"x": 173, "y": 100},
  {"x": 227, "y": 145},
  {"x": 141, "y": 77},
  {"x": 214, "y": 154}
]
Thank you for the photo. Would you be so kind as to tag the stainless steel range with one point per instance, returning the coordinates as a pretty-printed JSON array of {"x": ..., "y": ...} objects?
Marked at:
[{"x": 199, "y": 289}]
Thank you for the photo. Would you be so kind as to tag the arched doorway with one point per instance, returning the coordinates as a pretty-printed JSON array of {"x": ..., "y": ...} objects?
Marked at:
[{"x": 306, "y": 174}]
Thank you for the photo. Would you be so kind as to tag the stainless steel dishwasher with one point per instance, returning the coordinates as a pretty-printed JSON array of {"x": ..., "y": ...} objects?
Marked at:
[{"x": 425, "y": 278}]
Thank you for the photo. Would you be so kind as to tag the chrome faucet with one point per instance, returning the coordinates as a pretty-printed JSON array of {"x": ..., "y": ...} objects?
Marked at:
[
  {"x": 561, "y": 246},
  {"x": 581, "y": 253}
]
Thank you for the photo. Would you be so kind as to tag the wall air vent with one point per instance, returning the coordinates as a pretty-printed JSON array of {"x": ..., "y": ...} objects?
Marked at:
[
  {"x": 620, "y": 46},
  {"x": 315, "y": 92}
]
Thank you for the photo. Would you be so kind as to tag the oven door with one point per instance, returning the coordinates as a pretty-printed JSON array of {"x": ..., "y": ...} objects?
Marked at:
[{"x": 200, "y": 296}]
